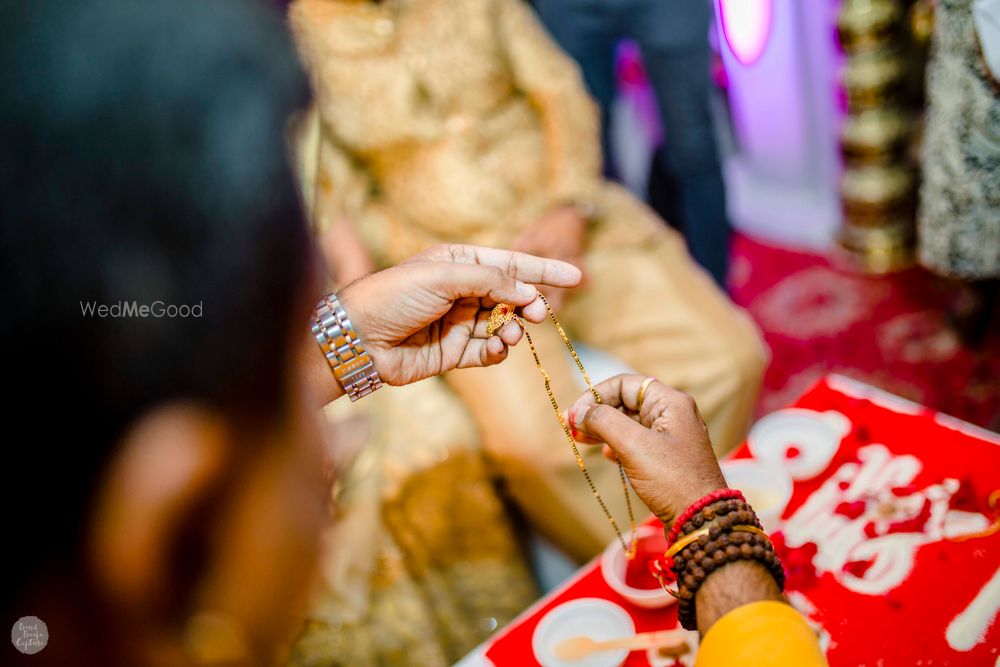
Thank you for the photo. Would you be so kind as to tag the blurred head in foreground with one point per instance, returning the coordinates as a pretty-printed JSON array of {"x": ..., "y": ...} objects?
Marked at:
[{"x": 164, "y": 472}]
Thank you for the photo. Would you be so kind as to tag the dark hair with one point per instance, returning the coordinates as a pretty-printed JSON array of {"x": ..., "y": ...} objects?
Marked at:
[{"x": 142, "y": 159}]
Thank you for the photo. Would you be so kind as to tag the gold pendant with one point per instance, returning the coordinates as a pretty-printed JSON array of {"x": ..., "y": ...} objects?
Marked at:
[{"x": 499, "y": 316}]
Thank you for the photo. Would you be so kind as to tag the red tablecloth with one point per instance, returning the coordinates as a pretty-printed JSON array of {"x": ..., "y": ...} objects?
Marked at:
[{"x": 919, "y": 587}]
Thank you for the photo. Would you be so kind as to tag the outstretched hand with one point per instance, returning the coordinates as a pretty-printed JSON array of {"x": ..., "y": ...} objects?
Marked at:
[{"x": 428, "y": 315}]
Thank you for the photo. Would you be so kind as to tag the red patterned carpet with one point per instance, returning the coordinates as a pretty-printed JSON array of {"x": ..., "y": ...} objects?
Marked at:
[{"x": 889, "y": 331}]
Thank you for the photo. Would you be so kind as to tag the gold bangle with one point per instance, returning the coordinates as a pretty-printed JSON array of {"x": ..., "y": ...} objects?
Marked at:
[
  {"x": 642, "y": 393},
  {"x": 690, "y": 538}
]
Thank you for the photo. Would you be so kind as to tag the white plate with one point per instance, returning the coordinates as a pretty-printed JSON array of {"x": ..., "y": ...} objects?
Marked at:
[
  {"x": 588, "y": 617},
  {"x": 816, "y": 435},
  {"x": 768, "y": 488}
]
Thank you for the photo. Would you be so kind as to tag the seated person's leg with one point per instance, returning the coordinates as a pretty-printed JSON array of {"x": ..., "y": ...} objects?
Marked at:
[{"x": 420, "y": 551}]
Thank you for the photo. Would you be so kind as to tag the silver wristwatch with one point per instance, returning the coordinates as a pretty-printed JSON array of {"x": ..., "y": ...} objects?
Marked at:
[{"x": 342, "y": 348}]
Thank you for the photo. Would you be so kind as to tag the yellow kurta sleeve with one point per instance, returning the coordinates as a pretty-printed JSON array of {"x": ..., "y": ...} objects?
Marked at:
[
  {"x": 762, "y": 634},
  {"x": 551, "y": 80}
]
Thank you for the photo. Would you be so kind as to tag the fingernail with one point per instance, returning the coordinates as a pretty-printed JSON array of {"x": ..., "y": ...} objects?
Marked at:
[
  {"x": 572, "y": 418},
  {"x": 573, "y": 432},
  {"x": 525, "y": 289}
]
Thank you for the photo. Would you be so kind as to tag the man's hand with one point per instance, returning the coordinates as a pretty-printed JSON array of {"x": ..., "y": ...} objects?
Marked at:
[
  {"x": 668, "y": 457},
  {"x": 665, "y": 449},
  {"x": 428, "y": 315},
  {"x": 559, "y": 234}
]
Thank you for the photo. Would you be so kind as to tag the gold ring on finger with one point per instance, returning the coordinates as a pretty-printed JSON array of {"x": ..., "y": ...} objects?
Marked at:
[{"x": 642, "y": 393}]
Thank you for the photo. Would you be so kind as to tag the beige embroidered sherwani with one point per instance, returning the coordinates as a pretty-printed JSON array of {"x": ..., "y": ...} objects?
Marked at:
[{"x": 461, "y": 121}]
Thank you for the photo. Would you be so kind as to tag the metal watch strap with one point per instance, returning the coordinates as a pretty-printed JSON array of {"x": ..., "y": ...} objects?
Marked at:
[{"x": 343, "y": 350}]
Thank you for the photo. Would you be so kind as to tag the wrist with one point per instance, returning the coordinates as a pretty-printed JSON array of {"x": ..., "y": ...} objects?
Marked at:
[
  {"x": 345, "y": 353},
  {"x": 322, "y": 386},
  {"x": 696, "y": 506},
  {"x": 719, "y": 530},
  {"x": 730, "y": 587},
  {"x": 673, "y": 507}
]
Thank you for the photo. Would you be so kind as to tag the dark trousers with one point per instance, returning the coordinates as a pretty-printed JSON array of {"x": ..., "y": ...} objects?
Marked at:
[{"x": 673, "y": 38}]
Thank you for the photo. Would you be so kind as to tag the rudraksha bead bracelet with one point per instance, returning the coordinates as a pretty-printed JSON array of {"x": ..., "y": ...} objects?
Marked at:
[{"x": 718, "y": 529}]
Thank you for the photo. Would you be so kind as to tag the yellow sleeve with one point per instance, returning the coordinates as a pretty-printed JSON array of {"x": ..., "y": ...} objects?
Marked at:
[
  {"x": 762, "y": 634},
  {"x": 552, "y": 81}
]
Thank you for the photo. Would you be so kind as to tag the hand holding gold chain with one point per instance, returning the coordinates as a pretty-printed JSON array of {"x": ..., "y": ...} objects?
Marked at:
[{"x": 503, "y": 313}]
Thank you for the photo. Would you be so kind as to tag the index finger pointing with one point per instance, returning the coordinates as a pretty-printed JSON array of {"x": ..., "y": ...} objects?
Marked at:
[
  {"x": 522, "y": 266},
  {"x": 455, "y": 281}
]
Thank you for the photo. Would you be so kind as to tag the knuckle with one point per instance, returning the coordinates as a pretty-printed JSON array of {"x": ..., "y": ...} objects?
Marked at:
[
  {"x": 512, "y": 261},
  {"x": 595, "y": 415},
  {"x": 498, "y": 276},
  {"x": 678, "y": 398},
  {"x": 660, "y": 425},
  {"x": 457, "y": 251}
]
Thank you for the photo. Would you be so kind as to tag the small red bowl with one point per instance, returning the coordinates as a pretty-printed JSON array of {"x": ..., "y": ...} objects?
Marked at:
[{"x": 621, "y": 574}]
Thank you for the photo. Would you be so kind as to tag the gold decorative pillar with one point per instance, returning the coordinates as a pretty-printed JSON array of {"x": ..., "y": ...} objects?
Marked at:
[{"x": 882, "y": 82}]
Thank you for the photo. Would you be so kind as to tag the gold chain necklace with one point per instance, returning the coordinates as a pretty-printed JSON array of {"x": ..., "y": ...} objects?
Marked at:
[{"x": 499, "y": 316}]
